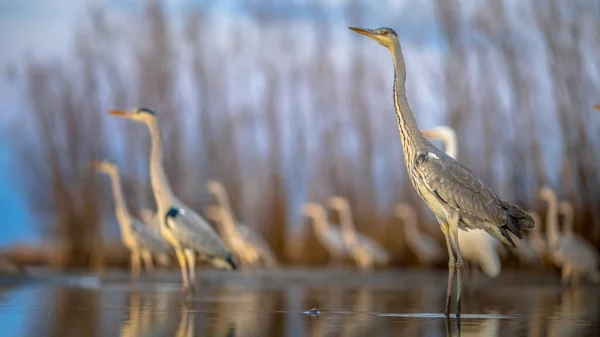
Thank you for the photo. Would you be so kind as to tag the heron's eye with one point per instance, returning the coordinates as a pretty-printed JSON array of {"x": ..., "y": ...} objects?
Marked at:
[{"x": 385, "y": 32}]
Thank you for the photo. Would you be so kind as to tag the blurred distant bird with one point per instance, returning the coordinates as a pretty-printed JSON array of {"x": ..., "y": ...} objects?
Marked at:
[
  {"x": 477, "y": 246},
  {"x": 247, "y": 243},
  {"x": 140, "y": 239},
  {"x": 538, "y": 242},
  {"x": 366, "y": 252},
  {"x": 183, "y": 228},
  {"x": 456, "y": 196},
  {"x": 329, "y": 236},
  {"x": 570, "y": 252},
  {"x": 150, "y": 217},
  {"x": 425, "y": 248}
]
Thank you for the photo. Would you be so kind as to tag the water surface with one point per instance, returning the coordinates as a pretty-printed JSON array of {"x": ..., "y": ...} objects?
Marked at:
[{"x": 271, "y": 303}]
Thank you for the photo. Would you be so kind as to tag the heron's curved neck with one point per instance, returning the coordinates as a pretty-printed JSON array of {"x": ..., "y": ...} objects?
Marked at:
[
  {"x": 348, "y": 229},
  {"x": 450, "y": 146},
  {"x": 409, "y": 132},
  {"x": 223, "y": 200},
  {"x": 121, "y": 211},
  {"x": 552, "y": 220},
  {"x": 228, "y": 223},
  {"x": 158, "y": 178},
  {"x": 568, "y": 223}
]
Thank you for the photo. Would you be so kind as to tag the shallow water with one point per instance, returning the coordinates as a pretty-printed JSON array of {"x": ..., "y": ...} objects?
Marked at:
[{"x": 388, "y": 303}]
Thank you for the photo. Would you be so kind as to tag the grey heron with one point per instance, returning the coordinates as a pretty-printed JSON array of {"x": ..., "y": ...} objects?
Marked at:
[
  {"x": 329, "y": 236},
  {"x": 141, "y": 239},
  {"x": 425, "y": 248},
  {"x": 455, "y": 195},
  {"x": 365, "y": 251},
  {"x": 244, "y": 240},
  {"x": 183, "y": 228},
  {"x": 477, "y": 246},
  {"x": 570, "y": 252}
]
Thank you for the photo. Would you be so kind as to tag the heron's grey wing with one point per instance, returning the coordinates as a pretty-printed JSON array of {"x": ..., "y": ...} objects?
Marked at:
[
  {"x": 460, "y": 189},
  {"x": 149, "y": 238},
  {"x": 194, "y": 232}
]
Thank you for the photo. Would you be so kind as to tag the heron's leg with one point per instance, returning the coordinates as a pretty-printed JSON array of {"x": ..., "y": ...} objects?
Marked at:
[
  {"x": 147, "y": 257},
  {"x": 183, "y": 266},
  {"x": 135, "y": 263},
  {"x": 191, "y": 260},
  {"x": 566, "y": 274},
  {"x": 451, "y": 265},
  {"x": 454, "y": 220}
]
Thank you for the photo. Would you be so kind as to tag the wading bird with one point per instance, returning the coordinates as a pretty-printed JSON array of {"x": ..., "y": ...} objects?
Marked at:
[
  {"x": 570, "y": 252},
  {"x": 183, "y": 228},
  {"x": 456, "y": 196},
  {"x": 141, "y": 240},
  {"x": 246, "y": 243},
  {"x": 150, "y": 217},
  {"x": 477, "y": 246},
  {"x": 365, "y": 251},
  {"x": 329, "y": 236},
  {"x": 425, "y": 248}
]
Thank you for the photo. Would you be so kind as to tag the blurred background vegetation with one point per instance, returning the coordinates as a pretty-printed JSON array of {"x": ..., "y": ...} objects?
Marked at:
[{"x": 284, "y": 105}]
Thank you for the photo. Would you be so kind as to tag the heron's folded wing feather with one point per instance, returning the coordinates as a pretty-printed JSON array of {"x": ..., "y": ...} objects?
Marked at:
[
  {"x": 458, "y": 187},
  {"x": 194, "y": 232}
]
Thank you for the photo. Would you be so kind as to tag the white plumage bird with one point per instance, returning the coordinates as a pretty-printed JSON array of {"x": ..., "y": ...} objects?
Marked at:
[{"x": 141, "y": 240}]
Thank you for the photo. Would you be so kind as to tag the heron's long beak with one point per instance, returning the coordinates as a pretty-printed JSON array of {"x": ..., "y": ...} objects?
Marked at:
[
  {"x": 366, "y": 32},
  {"x": 120, "y": 113}
]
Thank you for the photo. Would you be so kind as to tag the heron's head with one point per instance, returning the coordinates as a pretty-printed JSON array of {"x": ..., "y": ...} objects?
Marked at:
[
  {"x": 566, "y": 208},
  {"x": 312, "y": 210},
  {"x": 439, "y": 132},
  {"x": 143, "y": 115},
  {"x": 103, "y": 166},
  {"x": 547, "y": 193},
  {"x": 215, "y": 188},
  {"x": 386, "y": 37},
  {"x": 338, "y": 203}
]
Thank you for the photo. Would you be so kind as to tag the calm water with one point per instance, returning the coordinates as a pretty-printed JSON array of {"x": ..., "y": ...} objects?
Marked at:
[{"x": 389, "y": 303}]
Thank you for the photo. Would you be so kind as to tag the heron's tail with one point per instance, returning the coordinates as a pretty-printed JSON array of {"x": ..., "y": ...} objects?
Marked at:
[{"x": 516, "y": 220}]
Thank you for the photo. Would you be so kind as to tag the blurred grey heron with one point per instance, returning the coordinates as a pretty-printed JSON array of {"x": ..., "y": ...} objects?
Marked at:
[
  {"x": 477, "y": 246},
  {"x": 365, "y": 251},
  {"x": 183, "y": 228},
  {"x": 570, "y": 252},
  {"x": 150, "y": 217},
  {"x": 246, "y": 242},
  {"x": 328, "y": 236},
  {"x": 141, "y": 239},
  {"x": 425, "y": 248},
  {"x": 456, "y": 196}
]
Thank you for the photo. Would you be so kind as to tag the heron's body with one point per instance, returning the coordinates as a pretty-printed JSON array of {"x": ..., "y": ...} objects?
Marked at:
[
  {"x": 477, "y": 246},
  {"x": 246, "y": 243},
  {"x": 182, "y": 227},
  {"x": 141, "y": 239},
  {"x": 454, "y": 194},
  {"x": 366, "y": 252},
  {"x": 328, "y": 236},
  {"x": 425, "y": 248},
  {"x": 570, "y": 252}
]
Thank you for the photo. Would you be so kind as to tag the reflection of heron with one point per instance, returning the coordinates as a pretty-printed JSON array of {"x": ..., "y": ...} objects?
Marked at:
[
  {"x": 247, "y": 243},
  {"x": 183, "y": 228},
  {"x": 365, "y": 251},
  {"x": 360, "y": 323},
  {"x": 425, "y": 248},
  {"x": 570, "y": 252},
  {"x": 140, "y": 239},
  {"x": 454, "y": 194},
  {"x": 329, "y": 236},
  {"x": 477, "y": 246}
]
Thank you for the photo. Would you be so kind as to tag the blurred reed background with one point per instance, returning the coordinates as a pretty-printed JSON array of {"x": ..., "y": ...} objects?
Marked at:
[{"x": 280, "y": 102}]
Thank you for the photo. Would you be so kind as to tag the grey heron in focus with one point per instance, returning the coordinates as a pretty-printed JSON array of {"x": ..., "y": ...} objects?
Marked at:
[
  {"x": 184, "y": 229},
  {"x": 455, "y": 195},
  {"x": 141, "y": 239}
]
